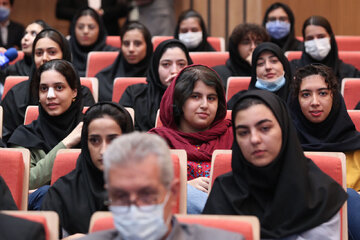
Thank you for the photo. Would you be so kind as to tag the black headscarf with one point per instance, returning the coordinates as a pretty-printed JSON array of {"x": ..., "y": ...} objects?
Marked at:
[
  {"x": 79, "y": 53},
  {"x": 289, "y": 42},
  {"x": 47, "y": 131},
  {"x": 289, "y": 196},
  {"x": 283, "y": 92},
  {"x": 237, "y": 65},
  {"x": 146, "y": 98},
  {"x": 121, "y": 68},
  {"x": 336, "y": 133},
  {"x": 6, "y": 200},
  {"x": 204, "y": 45},
  {"x": 20, "y": 96},
  {"x": 77, "y": 195}
]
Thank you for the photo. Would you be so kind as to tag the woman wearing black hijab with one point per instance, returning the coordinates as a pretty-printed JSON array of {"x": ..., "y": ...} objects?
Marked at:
[
  {"x": 48, "y": 44},
  {"x": 320, "y": 47},
  {"x": 191, "y": 30},
  {"x": 323, "y": 123},
  {"x": 58, "y": 125},
  {"x": 270, "y": 71},
  {"x": 242, "y": 42},
  {"x": 133, "y": 59},
  {"x": 87, "y": 33},
  {"x": 271, "y": 178},
  {"x": 168, "y": 59},
  {"x": 279, "y": 21},
  {"x": 77, "y": 195}
]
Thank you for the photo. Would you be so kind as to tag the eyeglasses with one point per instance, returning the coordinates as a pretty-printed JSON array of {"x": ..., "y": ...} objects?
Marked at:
[{"x": 144, "y": 202}]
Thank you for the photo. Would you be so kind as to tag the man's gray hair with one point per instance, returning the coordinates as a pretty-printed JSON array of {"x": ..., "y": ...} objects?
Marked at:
[{"x": 135, "y": 147}]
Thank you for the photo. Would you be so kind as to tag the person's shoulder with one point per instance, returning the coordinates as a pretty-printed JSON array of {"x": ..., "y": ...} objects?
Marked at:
[
  {"x": 221, "y": 68},
  {"x": 103, "y": 235},
  {"x": 16, "y": 24},
  {"x": 202, "y": 232},
  {"x": 17, "y": 228}
]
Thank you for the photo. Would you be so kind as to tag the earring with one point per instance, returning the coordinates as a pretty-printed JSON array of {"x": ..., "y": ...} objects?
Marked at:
[{"x": 74, "y": 99}]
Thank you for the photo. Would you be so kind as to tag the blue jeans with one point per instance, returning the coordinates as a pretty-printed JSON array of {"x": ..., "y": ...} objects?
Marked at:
[
  {"x": 353, "y": 214},
  {"x": 36, "y": 198}
]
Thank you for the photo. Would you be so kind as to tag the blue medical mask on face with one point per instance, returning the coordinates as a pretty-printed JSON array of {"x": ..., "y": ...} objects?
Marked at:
[
  {"x": 271, "y": 86},
  {"x": 135, "y": 224},
  {"x": 278, "y": 29},
  {"x": 4, "y": 13}
]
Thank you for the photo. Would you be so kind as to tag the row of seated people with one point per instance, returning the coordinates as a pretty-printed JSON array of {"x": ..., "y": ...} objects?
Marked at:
[
  {"x": 323, "y": 162},
  {"x": 134, "y": 96},
  {"x": 14, "y": 106},
  {"x": 180, "y": 115}
]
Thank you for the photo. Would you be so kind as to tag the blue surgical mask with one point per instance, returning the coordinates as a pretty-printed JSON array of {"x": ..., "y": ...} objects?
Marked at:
[
  {"x": 4, "y": 13},
  {"x": 271, "y": 86},
  {"x": 135, "y": 224},
  {"x": 278, "y": 29}
]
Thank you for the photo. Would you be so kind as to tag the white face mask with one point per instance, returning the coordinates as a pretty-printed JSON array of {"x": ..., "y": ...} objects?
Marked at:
[
  {"x": 191, "y": 39},
  {"x": 135, "y": 224},
  {"x": 318, "y": 49}
]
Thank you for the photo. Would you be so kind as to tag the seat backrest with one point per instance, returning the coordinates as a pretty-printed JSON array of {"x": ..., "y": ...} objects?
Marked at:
[
  {"x": 15, "y": 168},
  {"x": 355, "y": 117},
  {"x": 291, "y": 55},
  {"x": 93, "y": 84},
  {"x": 97, "y": 61},
  {"x": 210, "y": 59},
  {"x": 248, "y": 226},
  {"x": 156, "y": 40},
  {"x": 65, "y": 162},
  {"x": 49, "y": 219},
  {"x": 348, "y": 43},
  {"x": 235, "y": 85},
  {"x": 101, "y": 221},
  {"x": 350, "y": 88},
  {"x": 11, "y": 81},
  {"x": 218, "y": 43},
  {"x": 114, "y": 41},
  {"x": 121, "y": 83},
  {"x": 179, "y": 159},
  {"x": 132, "y": 113},
  {"x": 31, "y": 114},
  {"x": 334, "y": 165},
  {"x": 220, "y": 164},
  {"x": 350, "y": 57}
]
